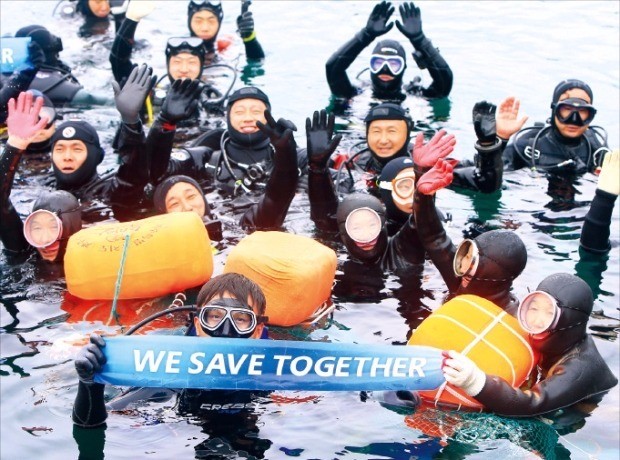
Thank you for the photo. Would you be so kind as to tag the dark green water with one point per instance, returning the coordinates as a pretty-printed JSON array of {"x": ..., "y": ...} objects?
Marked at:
[{"x": 495, "y": 49}]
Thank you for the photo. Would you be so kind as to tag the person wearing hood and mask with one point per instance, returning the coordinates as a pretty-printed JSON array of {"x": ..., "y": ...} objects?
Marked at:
[
  {"x": 567, "y": 144},
  {"x": 571, "y": 369},
  {"x": 54, "y": 77},
  {"x": 485, "y": 266},
  {"x": 388, "y": 60},
  {"x": 56, "y": 215},
  {"x": 204, "y": 20}
]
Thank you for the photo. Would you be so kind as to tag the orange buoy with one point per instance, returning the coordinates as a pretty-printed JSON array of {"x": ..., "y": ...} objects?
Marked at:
[
  {"x": 485, "y": 333},
  {"x": 165, "y": 254},
  {"x": 295, "y": 272}
]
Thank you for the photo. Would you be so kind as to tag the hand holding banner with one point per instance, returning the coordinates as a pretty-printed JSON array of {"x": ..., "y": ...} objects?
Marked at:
[{"x": 244, "y": 364}]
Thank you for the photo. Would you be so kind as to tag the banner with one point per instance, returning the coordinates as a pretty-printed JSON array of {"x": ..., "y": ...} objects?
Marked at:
[
  {"x": 249, "y": 364},
  {"x": 13, "y": 53}
]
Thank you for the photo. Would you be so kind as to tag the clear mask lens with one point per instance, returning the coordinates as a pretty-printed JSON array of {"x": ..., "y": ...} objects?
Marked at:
[
  {"x": 575, "y": 112},
  {"x": 363, "y": 225},
  {"x": 395, "y": 64},
  {"x": 42, "y": 228},
  {"x": 466, "y": 258},
  {"x": 50, "y": 114},
  {"x": 185, "y": 42},
  {"x": 212, "y": 317},
  {"x": 538, "y": 312},
  {"x": 215, "y": 3}
]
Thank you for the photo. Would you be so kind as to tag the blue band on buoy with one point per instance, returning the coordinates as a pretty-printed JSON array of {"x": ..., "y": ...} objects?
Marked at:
[
  {"x": 14, "y": 54},
  {"x": 246, "y": 364}
]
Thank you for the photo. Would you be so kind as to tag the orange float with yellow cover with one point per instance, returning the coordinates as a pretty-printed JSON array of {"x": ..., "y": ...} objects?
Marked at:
[
  {"x": 295, "y": 272},
  {"x": 159, "y": 255},
  {"x": 483, "y": 332}
]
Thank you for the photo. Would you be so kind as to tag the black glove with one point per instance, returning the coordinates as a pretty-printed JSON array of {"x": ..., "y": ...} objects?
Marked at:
[
  {"x": 411, "y": 26},
  {"x": 281, "y": 136},
  {"x": 130, "y": 97},
  {"x": 90, "y": 359},
  {"x": 181, "y": 100},
  {"x": 377, "y": 22},
  {"x": 245, "y": 21},
  {"x": 320, "y": 144},
  {"x": 36, "y": 55},
  {"x": 483, "y": 116}
]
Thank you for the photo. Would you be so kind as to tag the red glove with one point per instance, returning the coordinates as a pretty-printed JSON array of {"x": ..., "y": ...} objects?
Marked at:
[
  {"x": 23, "y": 121},
  {"x": 438, "y": 177},
  {"x": 440, "y": 146}
]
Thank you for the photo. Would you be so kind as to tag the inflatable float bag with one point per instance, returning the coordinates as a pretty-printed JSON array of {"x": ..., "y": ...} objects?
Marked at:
[
  {"x": 164, "y": 254},
  {"x": 295, "y": 272},
  {"x": 483, "y": 332}
]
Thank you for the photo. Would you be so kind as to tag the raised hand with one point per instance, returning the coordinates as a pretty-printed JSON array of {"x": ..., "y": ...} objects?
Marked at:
[
  {"x": 130, "y": 97},
  {"x": 436, "y": 178},
  {"x": 90, "y": 359},
  {"x": 609, "y": 177},
  {"x": 137, "y": 9},
  {"x": 23, "y": 121},
  {"x": 245, "y": 21},
  {"x": 321, "y": 144},
  {"x": 281, "y": 136},
  {"x": 483, "y": 116},
  {"x": 411, "y": 27},
  {"x": 181, "y": 100},
  {"x": 508, "y": 122},
  {"x": 377, "y": 22},
  {"x": 440, "y": 146}
]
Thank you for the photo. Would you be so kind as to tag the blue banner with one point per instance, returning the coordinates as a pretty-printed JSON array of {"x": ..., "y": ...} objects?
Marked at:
[
  {"x": 14, "y": 53},
  {"x": 214, "y": 363}
]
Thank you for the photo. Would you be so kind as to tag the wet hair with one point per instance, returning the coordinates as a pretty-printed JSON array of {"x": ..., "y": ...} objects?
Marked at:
[{"x": 239, "y": 286}]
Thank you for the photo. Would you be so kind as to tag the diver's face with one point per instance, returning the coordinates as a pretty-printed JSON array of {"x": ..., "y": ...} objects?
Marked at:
[
  {"x": 386, "y": 137},
  {"x": 404, "y": 185},
  {"x": 100, "y": 8},
  {"x": 44, "y": 229},
  {"x": 185, "y": 197},
  {"x": 572, "y": 131},
  {"x": 244, "y": 114},
  {"x": 184, "y": 65},
  {"x": 44, "y": 134},
  {"x": 540, "y": 315},
  {"x": 364, "y": 227},
  {"x": 69, "y": 155},
  {"x": 204, "y": 24},
  {"x": 466, "y": 260},
  {"x": 227, "y": 295}
]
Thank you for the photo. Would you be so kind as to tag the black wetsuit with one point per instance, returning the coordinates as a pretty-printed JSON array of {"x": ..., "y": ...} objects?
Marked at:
[
  {"x": 264, "y": 201},
  {"x": 12, "y": 85},
  {"x": 426, "y": 56},
  {"x": 553, "y": 152}
]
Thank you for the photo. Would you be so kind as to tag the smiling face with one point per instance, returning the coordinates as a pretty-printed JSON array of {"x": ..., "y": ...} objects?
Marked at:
[
  {"x": 572, "y": 131},
  {"x": 184, "y": 65},
  {"x": 364, "y": 226},
  {"x": 204, "y": 24},
  {"x": 403, "y": 187},
  {"x": 244, "y": 114},
  {"x": 185, "y": 197},
  {"x": 100, "y": 8},
  {"x": 69, "y": 155},
  {"x": 387, "y": 137}
]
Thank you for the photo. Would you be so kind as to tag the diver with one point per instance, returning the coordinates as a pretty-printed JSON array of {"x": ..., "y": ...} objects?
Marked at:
[
  {"x": 185, "y": 58},
  {"x": 571, "y": 370},
  {"x": 238, "y": 160},
  {"x": 228, "y": 305},
  {"x": 388, "y": 60},
  {"x": 567, "y": 144},
  {"x": 97, "y": 14},
  {"x": 204, "y": 20},
  {"x": 486, "y": 265},
  {"x": 76, "y": 152},
  {"x": 54, "y": 77}
]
